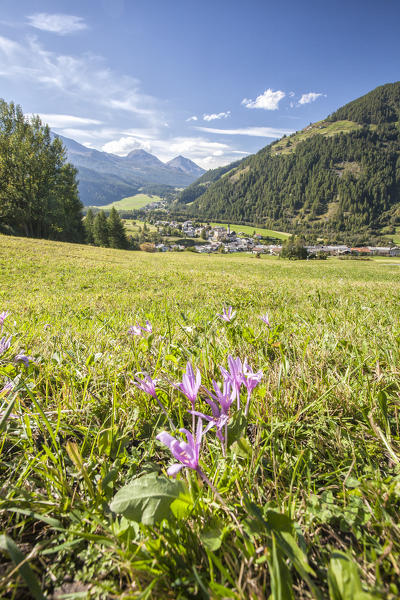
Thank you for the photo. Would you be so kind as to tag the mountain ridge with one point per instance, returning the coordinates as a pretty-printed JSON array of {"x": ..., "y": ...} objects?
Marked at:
[
  {"x": 341, "y": 174},
  {"x": 105, "y": 177}
]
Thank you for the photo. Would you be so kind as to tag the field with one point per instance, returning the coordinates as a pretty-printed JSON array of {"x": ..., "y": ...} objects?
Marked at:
[
  {"x": 249, "y": 230},
  {"x": 131, "y": 202},
  {"x": 286, "y": 145},
  {"x": 301, "y": 497}
]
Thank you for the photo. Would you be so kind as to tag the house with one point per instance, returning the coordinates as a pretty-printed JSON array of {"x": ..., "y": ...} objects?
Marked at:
[{"x": 395, "y": 251}]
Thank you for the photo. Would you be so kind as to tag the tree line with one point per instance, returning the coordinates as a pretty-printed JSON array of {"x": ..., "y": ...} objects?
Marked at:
[{"x": 38, "y": 187}]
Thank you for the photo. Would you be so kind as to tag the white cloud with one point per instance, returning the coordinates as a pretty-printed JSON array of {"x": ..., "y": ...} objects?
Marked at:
[
  {"x": 214, "y": 116},
  {"x": 57, "y": 23},
  {"x": 291, "y": 94},
  {"x": 310, "y": 97},
  {"x": 124, "y": 145},
  {"x": 76, "y": 80},
  {"x": 194, "y": 118},
  {"x": 269, "y": 100},
  {"x": 62, "y": 121},
  {"x": 267, "y": 132}
]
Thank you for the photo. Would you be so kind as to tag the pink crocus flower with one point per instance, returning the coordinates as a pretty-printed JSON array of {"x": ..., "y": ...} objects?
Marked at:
[
  {"x": 190, "y": 385},
  {"x": 135, "y": 330},
  {"x": 3, "y": 317},
  {"x": 227, "y": 314},
  {"x": 251, "y": 380},
  {"x": 234, "y": 376},
  {"x": 187, "y": 453},
  {"x": 148, "y": 385},
  {"x": 9, "y": 386},
  {"x": 23, "y": 358},
  {"x": 5, "y": 344},
  {"x": 265, "y": 318},
  {"x": 147, "y": 328}
]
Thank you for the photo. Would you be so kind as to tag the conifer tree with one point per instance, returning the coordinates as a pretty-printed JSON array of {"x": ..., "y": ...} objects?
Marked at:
[
  {"x": 116, "y": 230},
  {"x": 88, "y": 224},
  {"x": 100, "y": 230}
]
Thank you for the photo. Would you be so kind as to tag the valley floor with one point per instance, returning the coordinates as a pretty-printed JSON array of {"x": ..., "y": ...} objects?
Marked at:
[{"x": 309, "y": 490}]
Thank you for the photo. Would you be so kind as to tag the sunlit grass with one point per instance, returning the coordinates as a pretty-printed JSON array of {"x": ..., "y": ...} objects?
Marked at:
[{"x": 317, "y": 461}]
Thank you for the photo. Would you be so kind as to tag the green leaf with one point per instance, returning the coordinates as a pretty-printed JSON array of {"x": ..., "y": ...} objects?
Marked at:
[
  {"x": 147, "y": 499},
  {"x": 281, "y": 580},
  {"x": 344, "y": 580},
  {"x": 211, "y": 539},
  {"x": 242, "y": 448},
  {"x": 9, "y": 546},
  {"x": 237, "y": 427}
]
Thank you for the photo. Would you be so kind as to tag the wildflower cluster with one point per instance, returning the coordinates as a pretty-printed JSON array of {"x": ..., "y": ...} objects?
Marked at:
[{"x": 238, "y": 374}]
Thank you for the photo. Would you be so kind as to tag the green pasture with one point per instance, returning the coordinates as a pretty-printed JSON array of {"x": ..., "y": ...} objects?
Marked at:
[
  {"x": 304, "y": 505},
  {"x": 248, "y": 230},
  {"x": 131, "y": 202}
]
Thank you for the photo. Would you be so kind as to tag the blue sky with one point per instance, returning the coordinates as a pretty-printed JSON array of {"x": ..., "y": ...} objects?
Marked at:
[{"x": 213, "y": 81}]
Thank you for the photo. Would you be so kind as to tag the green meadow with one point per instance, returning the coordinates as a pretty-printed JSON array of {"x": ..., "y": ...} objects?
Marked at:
[
  {"x": 302, "y": 499},
  {"x": 131, "y": 202},
  {"x": 249, "y": 230}
]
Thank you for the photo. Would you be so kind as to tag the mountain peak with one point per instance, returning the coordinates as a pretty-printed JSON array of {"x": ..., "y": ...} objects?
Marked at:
[{"x": 185, "y": 165}]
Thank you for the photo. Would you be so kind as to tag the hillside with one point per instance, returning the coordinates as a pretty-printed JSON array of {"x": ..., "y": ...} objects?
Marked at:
[
  {"x": 131, "y": 202},
  {"x": 341, "y": 174},
  {"x": 106, "y": 178}
]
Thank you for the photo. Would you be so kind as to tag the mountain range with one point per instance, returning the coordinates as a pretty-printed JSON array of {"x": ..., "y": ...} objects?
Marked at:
[
  {"x": 339, "y": 175},
  {"x": 105, "y": 178}
]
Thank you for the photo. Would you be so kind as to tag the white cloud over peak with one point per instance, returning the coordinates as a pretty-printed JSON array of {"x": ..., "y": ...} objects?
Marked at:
[
  {"x": 214, "y": 116},
  {"x": 57, "y": 23},
  {"x": 62, "y": 121},
  {"x": 267, "y": 132},
  {"x": 269, "y": 100},
  {"x": 310, "y": 97},
  {"x": 193, "y": 118}
]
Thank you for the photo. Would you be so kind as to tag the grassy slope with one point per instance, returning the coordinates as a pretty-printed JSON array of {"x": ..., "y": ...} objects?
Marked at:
[
  {"x": 322, "y": 443},
  {"x": 131, "y": 202},
  {"x": 286, "y": 145},
  {"x": 249, "y": 230}
]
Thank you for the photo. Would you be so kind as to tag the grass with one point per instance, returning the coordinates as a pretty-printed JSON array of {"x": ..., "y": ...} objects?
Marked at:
[
  {"x": 249, "y": 230},
  {"x": 132, "y": 202},
  {"x": 309, "y": 495},
  {"x": 287, "y": 145}
]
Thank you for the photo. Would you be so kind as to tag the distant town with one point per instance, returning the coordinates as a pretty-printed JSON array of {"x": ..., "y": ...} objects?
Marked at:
[{"x": 222, "y": 239}]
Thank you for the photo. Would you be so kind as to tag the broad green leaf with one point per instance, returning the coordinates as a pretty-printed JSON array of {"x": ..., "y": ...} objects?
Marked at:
[
  {"x": 242, "y": 448},
  {"x": 147, "y": 499},
  {"x": 9, "y": 546},
  {"x": 344, "y": 580},
  {"x": 211, "y": 539},
  {"x": 281, "y": 580}
]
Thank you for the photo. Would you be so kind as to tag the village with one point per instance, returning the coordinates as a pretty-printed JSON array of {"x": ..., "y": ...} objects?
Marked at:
[{"x": 223, "y": 240}]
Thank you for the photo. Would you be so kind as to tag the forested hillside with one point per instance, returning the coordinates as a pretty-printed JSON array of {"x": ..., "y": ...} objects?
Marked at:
[{"x": 341, "y": 175}]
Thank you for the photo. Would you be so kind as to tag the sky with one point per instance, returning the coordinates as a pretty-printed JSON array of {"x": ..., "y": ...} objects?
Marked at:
[{"x": 211, "y": 80}]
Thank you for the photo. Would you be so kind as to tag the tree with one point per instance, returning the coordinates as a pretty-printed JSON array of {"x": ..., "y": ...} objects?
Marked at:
[
  {"x": 116, "y": 231},
  {"x": 100, "y": 230},
  {"x": 294, "y": 249},
  {"x": 38, "y": 188},
  {"x": 88, "y": 224}
]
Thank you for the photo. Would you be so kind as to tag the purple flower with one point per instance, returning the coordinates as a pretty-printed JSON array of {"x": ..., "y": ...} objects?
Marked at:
[
  {"x": 147, "y": 385},
  {"x": 46, "y": 326},
  {"x": 251, "y": 380},
  {"x": 147, "y": 328},
  {"x": 3, "y": 317},
  {"x": 22, "y": 358},
  {"x": 190, "y": 383},
  {"x": 135, "y": 330},
  {"x": 265, "y": 318},
  {"x": 187, "y": 453},
  {"x": 5, "y": 344},
  {"x": 234, "y": 376},
  {"x": 227, "y": 314},
  {"x": 9, "y": 386},
  {"x": 224, "y": 397}
]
